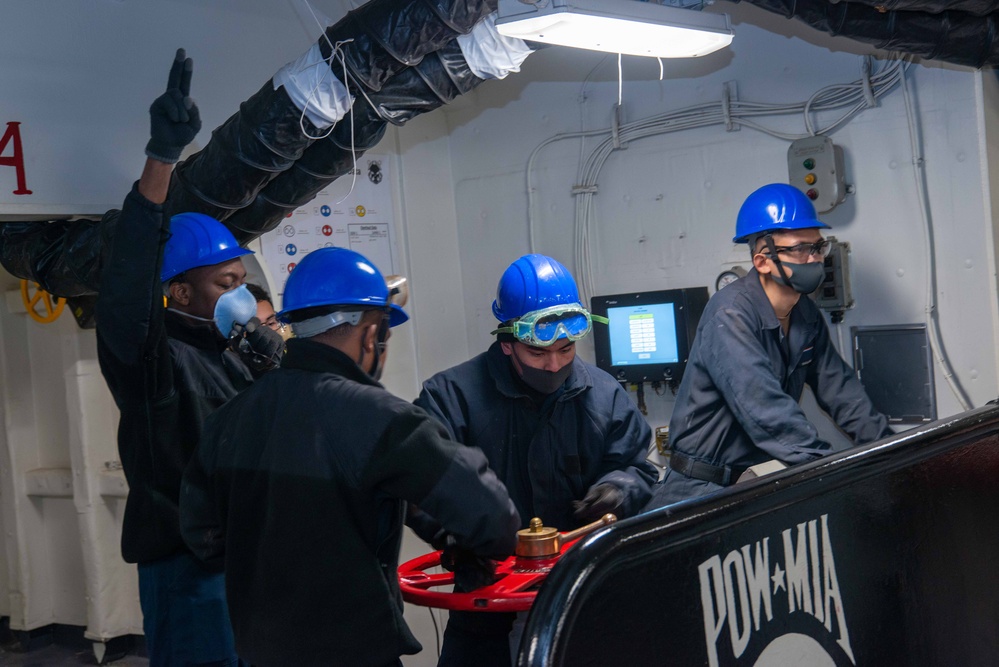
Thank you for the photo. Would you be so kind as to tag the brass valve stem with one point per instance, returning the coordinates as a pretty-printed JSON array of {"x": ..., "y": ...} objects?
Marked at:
[{"x": 605, "y": 520}]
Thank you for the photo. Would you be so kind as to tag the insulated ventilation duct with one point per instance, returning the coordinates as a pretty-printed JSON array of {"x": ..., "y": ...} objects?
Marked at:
[
  {"x": 963, "y": 32},
  {"x": 402, "y": 59}
]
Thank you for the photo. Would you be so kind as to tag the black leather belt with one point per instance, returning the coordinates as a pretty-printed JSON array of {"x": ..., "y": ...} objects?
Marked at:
[{"x": 686, "y": 465}]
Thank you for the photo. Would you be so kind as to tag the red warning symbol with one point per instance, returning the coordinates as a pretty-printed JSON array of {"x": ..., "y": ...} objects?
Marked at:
[
  {"x": 291, "y": 266},
  {"x": 327, "y": 230}
]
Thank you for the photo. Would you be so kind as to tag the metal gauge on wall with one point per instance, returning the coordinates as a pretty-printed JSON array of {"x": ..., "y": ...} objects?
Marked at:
[{"x": 729, "y": 276}]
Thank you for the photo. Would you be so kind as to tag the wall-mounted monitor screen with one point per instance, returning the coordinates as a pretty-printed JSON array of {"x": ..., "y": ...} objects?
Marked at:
[
  {"x": 649, "y": 334},
  {"x": 643, "y": 334}
]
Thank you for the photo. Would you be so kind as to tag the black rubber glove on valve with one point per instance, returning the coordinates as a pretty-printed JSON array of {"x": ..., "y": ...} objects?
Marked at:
[
  {"x": 470, "y": 570},
  {"x": 174, "y": 117},
  {"x": 599, "y": 500}
]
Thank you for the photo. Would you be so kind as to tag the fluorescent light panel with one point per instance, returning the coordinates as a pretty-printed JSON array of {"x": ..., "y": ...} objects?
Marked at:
[{"x": 616, "y": 26}]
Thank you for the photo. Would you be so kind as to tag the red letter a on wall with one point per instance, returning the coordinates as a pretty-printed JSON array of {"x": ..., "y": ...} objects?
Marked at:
[{"x": 13, "y": 135}]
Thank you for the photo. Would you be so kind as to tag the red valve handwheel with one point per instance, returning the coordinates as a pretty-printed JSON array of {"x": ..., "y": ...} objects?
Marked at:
[{"x": 516, "y": 586}]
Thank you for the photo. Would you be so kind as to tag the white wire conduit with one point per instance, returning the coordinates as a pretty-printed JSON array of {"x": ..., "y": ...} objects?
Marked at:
[
  {"x": 853, "y": 97},
  {"x": 932, "y": 317}
]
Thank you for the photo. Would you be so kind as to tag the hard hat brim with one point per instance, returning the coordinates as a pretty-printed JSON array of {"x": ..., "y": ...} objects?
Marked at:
[
  {"x": 783, "y": 228},
  {"x": 220, "y": 257},
  {"x": 397, "y": 315}
]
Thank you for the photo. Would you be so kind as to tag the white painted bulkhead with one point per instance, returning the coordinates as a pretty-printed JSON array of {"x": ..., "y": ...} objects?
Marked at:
[{"x": 80, "y": 77}]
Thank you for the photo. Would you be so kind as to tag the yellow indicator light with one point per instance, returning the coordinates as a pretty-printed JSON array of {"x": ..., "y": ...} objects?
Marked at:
[{"x": 810, "y": 179}]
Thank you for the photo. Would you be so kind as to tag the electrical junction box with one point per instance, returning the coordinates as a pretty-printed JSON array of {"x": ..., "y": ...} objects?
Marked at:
[
  {"x": 834, "y": 293},
  {"x": 815, "y": 166}
]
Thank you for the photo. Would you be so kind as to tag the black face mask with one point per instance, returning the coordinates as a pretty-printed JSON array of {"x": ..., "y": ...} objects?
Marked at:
[
  {"x": 804, "y": 278},
  {"x": 542, "y": 381}
]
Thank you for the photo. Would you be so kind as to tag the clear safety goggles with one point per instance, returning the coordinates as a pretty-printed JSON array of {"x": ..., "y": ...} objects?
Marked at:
[{"x": 541, "y": 328}]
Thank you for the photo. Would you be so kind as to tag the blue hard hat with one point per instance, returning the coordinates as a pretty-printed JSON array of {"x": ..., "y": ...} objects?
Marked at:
[
  {"x": 197, "y": 240},
  {"x": 338, "y": 277},
  {"x": 774, "y": 208},
  {"x": 531, "y": 283}
]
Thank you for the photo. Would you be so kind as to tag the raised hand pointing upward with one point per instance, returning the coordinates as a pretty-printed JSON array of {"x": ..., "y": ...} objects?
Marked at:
[{"x": 174, "y": 117}]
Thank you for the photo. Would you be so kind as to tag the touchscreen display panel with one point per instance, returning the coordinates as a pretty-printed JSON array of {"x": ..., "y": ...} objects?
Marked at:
[{"x": 643, "y": 334}]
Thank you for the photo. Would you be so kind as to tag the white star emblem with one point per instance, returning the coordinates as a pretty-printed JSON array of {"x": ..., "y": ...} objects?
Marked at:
[{"x": 778, "y": 578}]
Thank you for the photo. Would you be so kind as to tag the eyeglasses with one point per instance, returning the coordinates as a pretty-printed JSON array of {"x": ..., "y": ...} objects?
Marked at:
[
  {"x": 541, "y": 328},
  {"x": 803, "y": 251},
  {"x": 273, "y": 323}
]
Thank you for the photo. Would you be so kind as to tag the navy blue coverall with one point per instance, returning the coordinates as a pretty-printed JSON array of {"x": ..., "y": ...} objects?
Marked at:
[
  {"x": 737, "y": 405},
  {"x": 548, "y": 451}
]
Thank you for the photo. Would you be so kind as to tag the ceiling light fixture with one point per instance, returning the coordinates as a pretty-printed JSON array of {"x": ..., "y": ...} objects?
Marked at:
[{"x": 630, "y": 27}]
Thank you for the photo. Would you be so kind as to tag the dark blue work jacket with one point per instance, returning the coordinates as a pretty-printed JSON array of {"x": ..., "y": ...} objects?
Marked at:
[
  {"x": 738, "y": 401},
  {"x": 299, "y": 486},
  {"x": 166, "y": 373},
  {"x": 547, "y": 455}
]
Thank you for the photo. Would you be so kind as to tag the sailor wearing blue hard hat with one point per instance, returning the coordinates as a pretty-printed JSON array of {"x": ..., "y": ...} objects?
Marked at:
[
  {"x": 538, "y": 306},
  {"x": 338, "y": 286},
  {"x": 795, "y": 259},
  {"x": 757, "y": 345},
  {"x": 323, "y": 462},
  {"x": 168, "y": 368},
  {"x": 204, "y": 281},
  {"x": 563, "y": 435}
]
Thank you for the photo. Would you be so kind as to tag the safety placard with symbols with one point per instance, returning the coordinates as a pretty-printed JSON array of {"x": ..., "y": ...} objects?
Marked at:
[{"x": 354, "y": 212}]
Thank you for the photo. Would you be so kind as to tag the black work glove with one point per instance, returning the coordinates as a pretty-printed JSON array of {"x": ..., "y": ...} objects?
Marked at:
[
  {"x": 441, "y": 540},
  {"x": 599, "y": 500},
  {"x": 425, "y": 526},
  {"x": 258, "y": 346},
  {"x": 174, "y": 117},
  {"x": 471, "y": 571}
]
